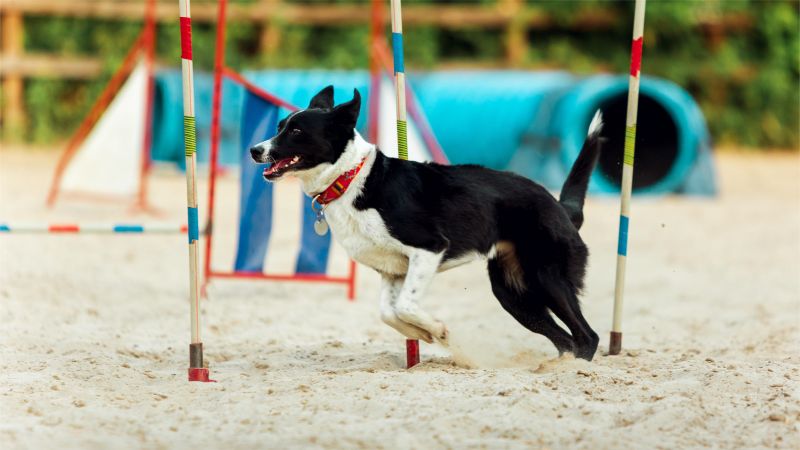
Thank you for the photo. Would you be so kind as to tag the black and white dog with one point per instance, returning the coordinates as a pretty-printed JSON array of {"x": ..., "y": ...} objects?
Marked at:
[{"x": 410, "y": 220}]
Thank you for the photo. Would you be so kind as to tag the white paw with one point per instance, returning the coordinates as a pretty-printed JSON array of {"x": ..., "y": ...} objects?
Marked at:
[
  {"x": 440, "y": 333},
  {"x": 406, "y": 329}
]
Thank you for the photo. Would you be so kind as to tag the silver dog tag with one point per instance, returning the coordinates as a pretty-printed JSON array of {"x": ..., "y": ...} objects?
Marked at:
[{"x": 320, "y": 225}]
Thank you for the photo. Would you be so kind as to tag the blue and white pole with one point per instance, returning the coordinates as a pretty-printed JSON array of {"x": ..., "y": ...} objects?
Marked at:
[{"x": 615, "y": 344}]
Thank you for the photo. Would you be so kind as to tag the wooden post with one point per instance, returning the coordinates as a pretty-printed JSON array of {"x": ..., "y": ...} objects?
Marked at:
[
  {"x": 516, "y": 41},
  {"x": 13, "y": 85},
  {"x": 270, "y": 38}
]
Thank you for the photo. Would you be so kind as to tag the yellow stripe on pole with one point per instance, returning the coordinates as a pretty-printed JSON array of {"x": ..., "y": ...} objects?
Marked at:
[{"x": 630, "y": 144}]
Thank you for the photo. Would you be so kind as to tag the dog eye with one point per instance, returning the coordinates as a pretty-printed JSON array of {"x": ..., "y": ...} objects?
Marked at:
[{"x": 296, "y": 132}]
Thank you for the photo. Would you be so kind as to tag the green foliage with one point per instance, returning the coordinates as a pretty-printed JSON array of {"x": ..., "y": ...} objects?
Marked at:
[{"x": 745, "y": 78}]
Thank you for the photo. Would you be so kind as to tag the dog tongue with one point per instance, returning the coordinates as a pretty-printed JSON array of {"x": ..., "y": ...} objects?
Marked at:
[{"x": 277, "y": 166}]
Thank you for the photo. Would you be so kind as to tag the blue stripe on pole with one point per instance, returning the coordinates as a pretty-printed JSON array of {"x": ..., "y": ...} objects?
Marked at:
[
  {"x": 397, "y": 49},
  {"x": 622, "y": 244},
  {"x": 4, "y": 228},
  {"x": 128, "y": 229},
  {"x": 193, "y": 230}
]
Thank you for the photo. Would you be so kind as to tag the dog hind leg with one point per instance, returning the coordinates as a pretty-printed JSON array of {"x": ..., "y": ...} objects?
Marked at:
[
  {"x": 525, "y": 307},
  {"x": 561, "y": 298}
]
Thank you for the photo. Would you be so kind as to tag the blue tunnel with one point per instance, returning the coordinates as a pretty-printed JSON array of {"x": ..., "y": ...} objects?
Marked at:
[{"x": 532, "y": 123}]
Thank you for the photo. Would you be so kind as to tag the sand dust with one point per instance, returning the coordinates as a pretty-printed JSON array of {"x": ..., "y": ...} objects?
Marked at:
[{"x": 94, "y": 337}]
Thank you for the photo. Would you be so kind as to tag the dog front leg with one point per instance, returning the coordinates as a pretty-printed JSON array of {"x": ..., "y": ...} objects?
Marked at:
[
  {"x": 422, "y": 266},
  {"x": 390, "y": 290}
]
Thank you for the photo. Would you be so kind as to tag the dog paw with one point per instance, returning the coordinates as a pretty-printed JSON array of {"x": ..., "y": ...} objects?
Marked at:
[
  {"x": 441, "y": 333},
  {"x": 411, "y": 331},
  {"x": 419, "y": 334}
]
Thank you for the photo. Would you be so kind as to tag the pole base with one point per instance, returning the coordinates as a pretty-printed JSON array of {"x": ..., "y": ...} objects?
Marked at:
[
  {"x": 200, "y": 374},
  {"x": 196, "y": 370},
  {"x": 615, "y": 343},
  {"x": 412, "y": 353}
]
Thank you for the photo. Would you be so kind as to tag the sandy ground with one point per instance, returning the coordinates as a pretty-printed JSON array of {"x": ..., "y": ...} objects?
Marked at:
[{"x": 94, "y": 335}]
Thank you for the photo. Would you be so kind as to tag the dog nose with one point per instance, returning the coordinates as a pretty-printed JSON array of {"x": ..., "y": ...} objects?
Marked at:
[{"x": 256, "y": 153}]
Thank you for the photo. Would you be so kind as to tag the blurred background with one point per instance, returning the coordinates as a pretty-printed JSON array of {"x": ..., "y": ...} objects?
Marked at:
[{"x": 738, "y": 59}]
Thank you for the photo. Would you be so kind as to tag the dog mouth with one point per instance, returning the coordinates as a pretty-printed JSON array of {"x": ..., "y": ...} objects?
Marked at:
[{"x": 280, "y": 167}]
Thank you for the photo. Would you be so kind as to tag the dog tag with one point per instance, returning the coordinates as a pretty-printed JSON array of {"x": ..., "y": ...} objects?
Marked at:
[{"x": 320, "y": 226}]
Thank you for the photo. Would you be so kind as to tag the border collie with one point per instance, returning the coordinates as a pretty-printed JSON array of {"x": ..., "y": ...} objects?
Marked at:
[{"x": 409, "y": 220}]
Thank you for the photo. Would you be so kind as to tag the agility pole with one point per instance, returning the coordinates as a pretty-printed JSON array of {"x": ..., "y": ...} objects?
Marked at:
[
  {"x": 196, "y": 370},
  {"x": 412, "y": 345},
  {"x": 91, "y": 228},
  {"x": 615, "y": 342}
]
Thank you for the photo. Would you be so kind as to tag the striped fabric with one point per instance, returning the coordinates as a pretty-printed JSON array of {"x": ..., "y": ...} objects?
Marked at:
[
  {"x": 627, "y": 174},
  {"x": 259, "y": 232}
]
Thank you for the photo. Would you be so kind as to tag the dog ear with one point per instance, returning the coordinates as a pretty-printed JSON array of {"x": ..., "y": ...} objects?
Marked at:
[
  {"x": 347, "y": 113},
  {"x": 323, "y": 99}
]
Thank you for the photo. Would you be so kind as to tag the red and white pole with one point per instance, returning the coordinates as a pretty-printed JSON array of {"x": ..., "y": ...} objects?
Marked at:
[
  {"x": 615, "y": 343},
  {"x": 196, "y": 370}
]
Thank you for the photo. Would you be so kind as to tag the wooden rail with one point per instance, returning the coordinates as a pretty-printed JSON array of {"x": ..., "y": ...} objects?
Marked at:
[{"x": 512, "y": 18}]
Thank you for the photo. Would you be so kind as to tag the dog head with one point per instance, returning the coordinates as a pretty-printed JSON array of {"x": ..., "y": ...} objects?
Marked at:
[{"x": 309, "y": 138}]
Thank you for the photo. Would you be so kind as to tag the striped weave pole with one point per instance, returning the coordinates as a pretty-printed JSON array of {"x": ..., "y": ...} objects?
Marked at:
[
  {"x": 412, "y": 345},
  {"x": 615, "y": 344},
  {"x": 400, "y": 79},
  {"x": 196, "y": 370},
  {"x": 92, "y": 228}
]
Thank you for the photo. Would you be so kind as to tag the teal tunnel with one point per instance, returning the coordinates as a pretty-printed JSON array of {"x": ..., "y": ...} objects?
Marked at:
[{"x": 532, "y": 123}]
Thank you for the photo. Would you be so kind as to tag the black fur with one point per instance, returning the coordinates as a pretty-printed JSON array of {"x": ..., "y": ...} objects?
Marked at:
[
  {"x": 574, "y": 190},
  {"x": 467, "y": 208},
  {"x": 317, "y": 135}
]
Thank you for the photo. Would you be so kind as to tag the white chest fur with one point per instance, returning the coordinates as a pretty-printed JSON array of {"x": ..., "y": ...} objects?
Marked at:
[
  {"x": 364, "y": 236},
  {"x": 363, "y": 233}
]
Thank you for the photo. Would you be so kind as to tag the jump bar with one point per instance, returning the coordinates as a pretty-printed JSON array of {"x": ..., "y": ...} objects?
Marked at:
[{"x": 92, "y": 228}]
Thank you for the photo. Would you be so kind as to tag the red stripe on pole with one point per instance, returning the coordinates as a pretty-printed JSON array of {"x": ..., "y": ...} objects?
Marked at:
[
  {"x": 636, "y": 56},
  {"x": 63, "y": 229},
  {"x": 186, "y": 38}
]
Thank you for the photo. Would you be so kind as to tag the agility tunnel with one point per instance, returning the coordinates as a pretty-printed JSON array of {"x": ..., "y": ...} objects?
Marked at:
[{"x": 532, "y": 123}]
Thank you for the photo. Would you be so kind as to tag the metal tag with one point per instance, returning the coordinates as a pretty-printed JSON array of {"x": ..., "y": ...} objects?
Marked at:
[{"x": 320, "y": 226}]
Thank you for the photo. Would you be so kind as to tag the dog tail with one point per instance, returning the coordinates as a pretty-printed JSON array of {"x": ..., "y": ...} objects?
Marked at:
[{"x": 574, "y": 190}]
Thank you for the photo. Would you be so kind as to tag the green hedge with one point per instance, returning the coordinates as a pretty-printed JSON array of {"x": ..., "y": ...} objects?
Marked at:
[{"x": 747, "y": 84}]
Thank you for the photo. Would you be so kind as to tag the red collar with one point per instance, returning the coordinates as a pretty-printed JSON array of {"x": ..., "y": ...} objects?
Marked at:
[{"x": 339, "y": 186}]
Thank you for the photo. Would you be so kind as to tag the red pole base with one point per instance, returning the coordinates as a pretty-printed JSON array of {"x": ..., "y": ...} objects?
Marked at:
[
  {"x": 200, "y": 374},
  {"x": 412, "y": 353}
]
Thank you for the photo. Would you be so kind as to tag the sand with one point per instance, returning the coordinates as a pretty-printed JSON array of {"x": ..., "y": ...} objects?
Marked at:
[{"x": 95, "y": 330}]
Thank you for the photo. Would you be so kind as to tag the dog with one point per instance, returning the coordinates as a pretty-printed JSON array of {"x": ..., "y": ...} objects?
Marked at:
[{"x": 409, "y": 220}]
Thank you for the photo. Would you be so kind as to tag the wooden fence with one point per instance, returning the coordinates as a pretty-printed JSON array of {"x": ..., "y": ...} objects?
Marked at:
[{"x": 512, "y": 18}]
